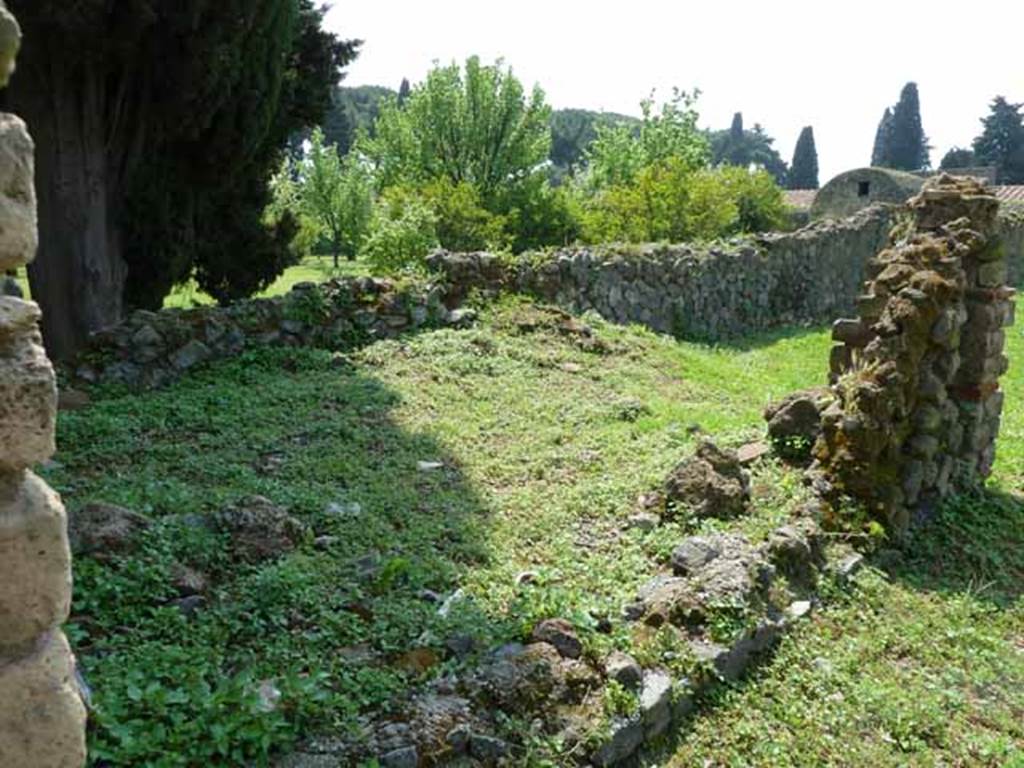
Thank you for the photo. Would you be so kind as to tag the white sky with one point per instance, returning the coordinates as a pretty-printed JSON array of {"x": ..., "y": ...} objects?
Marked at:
[{"x": 783, "y": 63}]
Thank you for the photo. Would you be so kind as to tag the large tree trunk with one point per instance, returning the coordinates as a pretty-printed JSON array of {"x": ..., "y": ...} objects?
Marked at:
[{"x": 79, "y": 274}]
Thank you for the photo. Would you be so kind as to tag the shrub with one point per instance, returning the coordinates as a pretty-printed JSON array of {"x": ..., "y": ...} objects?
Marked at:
[
  {"x": 403, "y": 231},
  {"x": 759, "y": 200},
  {"x": 463, "y": 224}
]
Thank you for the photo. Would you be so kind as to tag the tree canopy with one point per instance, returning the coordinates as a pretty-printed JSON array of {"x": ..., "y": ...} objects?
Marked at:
[
  {"x": 353, "y": 110},
  {"x": 803, "y": 172},
  {"x": 745, "y": 148},
  {"x": 158, "y": 126},
  {"x": 1001, "y": 142},
  {"x": 958, "y": 157},
  {"x": 475, "y": 125},
  {"x": 900, "y": 141}
]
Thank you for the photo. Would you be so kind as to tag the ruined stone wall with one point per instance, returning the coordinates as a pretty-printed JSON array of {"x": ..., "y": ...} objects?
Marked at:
[
  {"x": 150, "y": 349},
  {"x": 1011, "y": 233},
  {"x": 711, "y": 293},
  {"x": 916, "y": 375},
  {"x": 694, "y": 291},
  {"x": 42, "y": 718}
]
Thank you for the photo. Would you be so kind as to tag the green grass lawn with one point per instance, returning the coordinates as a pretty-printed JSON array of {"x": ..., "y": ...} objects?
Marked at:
[{"x": 545, "y": 447}]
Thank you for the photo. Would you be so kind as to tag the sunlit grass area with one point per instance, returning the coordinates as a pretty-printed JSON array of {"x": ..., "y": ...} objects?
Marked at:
[{"x": 542, "y": 448}]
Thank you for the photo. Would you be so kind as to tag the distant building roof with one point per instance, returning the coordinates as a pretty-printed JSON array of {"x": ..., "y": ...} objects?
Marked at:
[
  {"x": 799, "y": 198},
  {"x": 1010, "y": 193}
]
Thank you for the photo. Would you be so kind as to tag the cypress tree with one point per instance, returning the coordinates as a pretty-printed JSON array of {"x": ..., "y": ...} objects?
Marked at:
[
  {"x": 883, "y": 138},
  {"x": 403, "y": 91},
  {"x": 157, "y": 127},
  {"x": 803, "y": 173},
  {"x": 1001, "y": 143},
  {"x": 908, "y": 146},
  {"x": 737, "y": 152}
]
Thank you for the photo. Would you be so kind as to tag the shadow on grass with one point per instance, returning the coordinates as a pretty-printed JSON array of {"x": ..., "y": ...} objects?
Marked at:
[
  {"x": 341, "y": 627},
  {"x": 975, "y": 545},
  {"x": 762, "y": 339}
]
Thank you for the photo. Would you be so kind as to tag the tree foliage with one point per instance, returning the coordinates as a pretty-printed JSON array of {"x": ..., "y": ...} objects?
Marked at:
[
  {"x": 176, "y": 114},
  {"x": 574, "y": 130},
  {"x": 744, "y": 148},
  {"x": 880, "y": 151},
  {"x": 900, "y": 141},
  {"x": 803, "y": 172},
  {"x": 352, "y": 110},
  {"x": 657, "y": 184},
  {"x": 958, "y": 157},
  {"x": 1001, "y": 142},
  {"x": 619, "y": 154},
  {"x": 336, "y": 193},
  {"x": 476, "y": 125}
]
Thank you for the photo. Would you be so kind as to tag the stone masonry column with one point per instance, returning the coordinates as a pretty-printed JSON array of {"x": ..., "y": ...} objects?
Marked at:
[{"x": 42, "y": 718}]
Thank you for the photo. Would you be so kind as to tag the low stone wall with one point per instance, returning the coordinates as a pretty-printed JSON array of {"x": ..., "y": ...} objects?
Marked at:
[
  {"x": 150, "y": 349},
  {"x": 710, "y": 293}
]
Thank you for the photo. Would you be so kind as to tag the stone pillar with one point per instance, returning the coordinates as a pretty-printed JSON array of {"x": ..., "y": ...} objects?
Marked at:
[
  {"x": 916, "y": 376},
  {"x": 42, "y": 718}
]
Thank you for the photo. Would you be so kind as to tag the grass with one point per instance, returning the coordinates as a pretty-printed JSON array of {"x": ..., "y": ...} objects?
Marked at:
[{"x": 544, "y": 445}]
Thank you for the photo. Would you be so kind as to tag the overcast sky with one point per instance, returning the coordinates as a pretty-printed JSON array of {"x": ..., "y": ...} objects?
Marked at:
[{"x": 783, "y": 63}]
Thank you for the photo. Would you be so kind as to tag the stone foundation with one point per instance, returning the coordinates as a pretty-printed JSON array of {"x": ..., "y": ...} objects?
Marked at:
[
  {"x": 916, "y": 375},
  {"x": 42, "y": 718}
]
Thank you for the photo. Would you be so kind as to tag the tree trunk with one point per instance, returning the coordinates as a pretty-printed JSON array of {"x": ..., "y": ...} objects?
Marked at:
[{"x": 79, "y": 274}]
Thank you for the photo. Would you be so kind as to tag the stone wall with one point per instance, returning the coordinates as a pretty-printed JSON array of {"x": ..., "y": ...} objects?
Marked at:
[
  {"x": 711, "y": 293},
  {"x": 150, "y": 349},
  {"x": 1011, "y": 232},
  {"x": 917, "y": 373},
  {"x": 42, "y": 718}
]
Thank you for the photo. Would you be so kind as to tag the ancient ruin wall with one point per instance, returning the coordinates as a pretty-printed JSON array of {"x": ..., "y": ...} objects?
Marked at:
[
  {"x": 711, "y": 293},
  {"x": 42, "y": 719},
  {"x": 916, "y": 375},
  {"x": 703, "y": 292}
]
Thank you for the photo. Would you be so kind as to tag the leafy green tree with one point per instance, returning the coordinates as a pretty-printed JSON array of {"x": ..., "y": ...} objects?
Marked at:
[
  {"x": 158, "y": 127},
  {"x": 336, "y": 193},
  {"x": 462, "y": 222},
  {"x": 880, "y": 151},
  {"x": 753, "y": 147},
  {"x": 619, "y": 154},
  {"x": 353, "y": 110},
  {"x": 900, "y": 141},
  {"x": 958, "y": 157},
  {"x": 574, "y": 130},
  {"x": 403, "y": 232},
  {"x": 760, "y": 205},
  {"x": 475, "y": 124},
  {"x": 803, "y": 171},
  {"x": 657, "y": 185},
  {"x": 1001, "y": 142}
]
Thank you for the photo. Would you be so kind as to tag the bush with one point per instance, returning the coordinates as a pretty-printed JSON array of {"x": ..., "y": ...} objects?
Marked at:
[
  {"x": 760, "y": 202},
  {"x": 463, "y": 224},
  {"x": 402, "y": 233},
  {"x": 669, "y": 201},
  {"x": 538, "y": 215}
]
